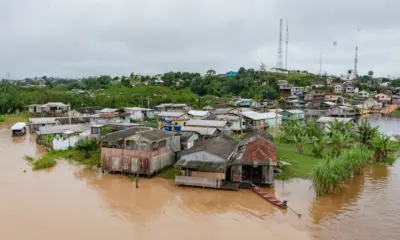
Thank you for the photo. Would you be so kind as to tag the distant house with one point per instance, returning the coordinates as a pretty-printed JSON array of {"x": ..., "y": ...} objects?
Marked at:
[
  {"x": 342, "y": 111},
  {"x": 335, "y": 99},
  {"x": 324, "y": 121},
  {"x": 140, "y": 114},
  {"x": 139, "y": 150},
  {"x": 233, "y": 122},
  {"x": 188, "y": 139},
  {"x": 231, "y": 74},
  {"x": 72, "y": 120},
  {"x": 363, "y": 94},
  {"x": 396, "y": 99},
  {"x": 196, "y": 114},
  {"x": 338, "y": 88},
  {"x": 216, "y": 106},
  {"x": 254, "y": 161},
  {"x": 293, "y": 114},
  {"x": 173, "y": 118},
  {"x": 110, "y": 115},
  {"x": 205, "y": 165},
  {"x": 222, "y": 111},
  {"x": 203, "y": 133},
  {"x": 297, "y": 90},
  {"x": 36, "y": 123},
  {"x": 63, "y": 136},
  {"x": 51, "y": 108},
  {"x": 317, "y": 85},
  {"x": 254, "y": 120},
  {"x": 84, "y": 112},
  {"x": 243, "y": 102},
  {"x": 349, "y": 89},
  {"x": 179, "y": 107},
  {"x": 206, "y": 123},
  {"x": 370, "y": 103},
  {"x": 284, "y": 86},
  {"x": 383, "y": 97}
]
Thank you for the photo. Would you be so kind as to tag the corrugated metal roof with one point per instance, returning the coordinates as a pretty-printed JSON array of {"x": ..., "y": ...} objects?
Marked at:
[
  {"x": 219, "y": 111},
  {"x": 201, "y": 130},
  {"x": 112, "y": 137},
  {"x": 62, "y": 128},
  {"x": 108, "y": 110},
  {"x": 156, "y": 134},
  {"x": 42, "y": 120},
  {"x": 228, "y": 117},
  {"x": 222, "y": 147},
  {"x": 260, "y": 150},
  {"x": 329, "y": 119},
  {"x": 294, "y": 111},
  {"x": 206, "y": 123},
  {"x": 198, "y": 113},
  {"x": 170, "y": 114}
]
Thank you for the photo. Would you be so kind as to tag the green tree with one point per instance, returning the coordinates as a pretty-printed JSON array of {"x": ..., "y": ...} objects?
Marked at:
[{"x": 87, "y": 146}]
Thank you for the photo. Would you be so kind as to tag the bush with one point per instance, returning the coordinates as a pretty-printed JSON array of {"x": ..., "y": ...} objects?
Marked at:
[
  {"x": 2, "y": 118},
  {"x": 44, "y": 162},
  {"x": 328, "y": 176}
]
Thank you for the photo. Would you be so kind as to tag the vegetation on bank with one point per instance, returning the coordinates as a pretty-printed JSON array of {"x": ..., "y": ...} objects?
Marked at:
[
  {"x": 85, "y": 153},
  {"x": 329, "y": 157},
  {"x": 2, "y": 118},
  {"x": 169, "y": 173}
]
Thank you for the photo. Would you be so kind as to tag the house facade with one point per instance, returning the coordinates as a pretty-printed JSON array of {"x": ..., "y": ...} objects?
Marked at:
[
  {"x": 342, "y": 111},
  {"x": 196, "y": 114},
  {"x": 382, "y": 97},
  {"x": 139, "y": 150},
  {"x": 254, "y": 161},
  {"x": 284, "y": 86},
  {"x": 51, "y": 108},
  {"x": 338, "y": 88},
  {"x": 363, "y": 94},
  {"x": 205, "y": 165},
  {"x": 293, "y": 114},
  {"x": 140, "y": 114},
  {"x": 63, "y": 136}
]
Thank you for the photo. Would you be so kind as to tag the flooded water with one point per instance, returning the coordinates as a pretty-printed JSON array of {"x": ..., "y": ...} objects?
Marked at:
[{"x": 67, "y": 202}]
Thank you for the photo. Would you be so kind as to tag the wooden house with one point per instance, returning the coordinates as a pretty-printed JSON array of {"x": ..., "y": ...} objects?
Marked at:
[
  {"x": 342, "y": 111},
  {"x": 254, "y": 161},
  {"x": 293, "y": 114},
  {"x": 171, "y": 118},
  {"x": 189, "y": 139},
  {"x": 203, "y": 133},
  {"x": 205, "y": 165},
  {"x": 234, "y": 122},
  {"x": 139, "y": 150},
  {"x": 50, "y": 108},
  {"x": 284, "y": 86}
]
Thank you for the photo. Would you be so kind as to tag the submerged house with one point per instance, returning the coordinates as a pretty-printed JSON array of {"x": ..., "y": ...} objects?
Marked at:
[
  {"x": 205, "y": 165},
  {"x": 339, "y": 111},
  {"x": 62, "y": 136},
  {"x": 254, "y": 161},
  {"x": 139, "y": 150},
  {"x": 36, "y": 123}
]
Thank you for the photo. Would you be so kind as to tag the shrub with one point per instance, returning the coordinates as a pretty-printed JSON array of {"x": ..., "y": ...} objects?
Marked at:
[{"x": 44, "y": 162}]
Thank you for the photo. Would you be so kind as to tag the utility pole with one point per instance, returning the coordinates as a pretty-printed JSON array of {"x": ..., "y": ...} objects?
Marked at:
[
  {"x": 320, "y": 64},
  {"x": 355, "y": 63},
  {"x": 148, "y": 102},
  {"x": 279, "y": 59},
  {"x": 287, "y": 43}
]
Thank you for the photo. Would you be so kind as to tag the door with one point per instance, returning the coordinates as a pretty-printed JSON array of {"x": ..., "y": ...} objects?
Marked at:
[
  {"x": 134, "y": 164},
  {"x": 115, "y": 163}
]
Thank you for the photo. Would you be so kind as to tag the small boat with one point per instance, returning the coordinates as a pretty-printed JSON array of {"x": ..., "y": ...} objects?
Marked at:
[
  {"x": 18, "y": 129},
  {"x": 271, "y": 199}
]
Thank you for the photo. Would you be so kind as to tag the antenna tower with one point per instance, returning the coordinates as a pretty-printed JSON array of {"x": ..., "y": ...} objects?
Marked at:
[
  {"x": 279, "y": 61},
  {"x": 320, "y": 64},
  {"x": 355, "y": 63},
  {"x": 287, "y": 43}
]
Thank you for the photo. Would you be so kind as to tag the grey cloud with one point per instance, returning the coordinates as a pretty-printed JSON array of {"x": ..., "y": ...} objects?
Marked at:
[{"x": 81, "y": 38}]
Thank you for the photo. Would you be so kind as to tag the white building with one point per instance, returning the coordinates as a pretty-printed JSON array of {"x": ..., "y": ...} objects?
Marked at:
[{"x": 338, "y": 88}]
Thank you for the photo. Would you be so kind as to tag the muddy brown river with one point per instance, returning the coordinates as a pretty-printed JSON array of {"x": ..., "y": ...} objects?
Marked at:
[{"x": 68, "y": 202}]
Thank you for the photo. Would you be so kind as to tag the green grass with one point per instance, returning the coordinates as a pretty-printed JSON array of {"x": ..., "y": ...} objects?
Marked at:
[
  {"x": 301, "y": 164},
  {"x": 170, "y": 173},
  {"x": 49, "y": 159},
  {"x": 29, "y": 158},
  {"x": 44, "y": 162},
  {"x": 396, "y": 113},
  {"x": 2, "y": 118}
]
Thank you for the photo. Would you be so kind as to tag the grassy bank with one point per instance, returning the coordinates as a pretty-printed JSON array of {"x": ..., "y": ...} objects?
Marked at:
[
  {"x": 396, "y": 113},
  {"x": 72, "y": 155},
  {"x": 169, "y": 173},
  {"x": 13, "y": 118},
  {"x": 301, "y": 164}
]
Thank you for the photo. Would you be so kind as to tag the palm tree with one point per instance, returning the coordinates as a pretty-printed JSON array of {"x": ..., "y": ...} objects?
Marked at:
[
  {"x": 380, "y": 147},
  {"x": 370, "y": 74},
  {"x": 365, "y": 132},
  {"x": 340, "y": 141},
  {"x": 318, "y": 145},
  {"x": 300, "y": 139}
]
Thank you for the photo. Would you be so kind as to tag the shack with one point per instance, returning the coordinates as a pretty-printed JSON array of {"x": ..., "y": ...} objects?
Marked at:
[
  {"x": 293, "y": 114},
  {"x": 204, "y": 133},
  {"x": 342, "y": 111},
  {"x": 139, "y": 150},
  {"x": 140, "y": 114},
  {"x": 205, "y": 164},
  {"x": 62, "y": 137},
  {"x": 18, "y": 129},
  {"x": 254, "y": 161},
  {"x": 196, "y": 114},
  {"x": 84, "y": 112}
]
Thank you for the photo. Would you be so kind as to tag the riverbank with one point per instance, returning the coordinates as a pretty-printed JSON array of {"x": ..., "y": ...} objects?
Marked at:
[
  {"x": 10, "y": 119},
  {"x": 50, "y": 158}
]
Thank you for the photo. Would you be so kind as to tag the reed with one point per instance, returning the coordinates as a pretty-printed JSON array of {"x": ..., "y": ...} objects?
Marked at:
[
  {"x": 44, "y": 162},
  {"x": 328, "y": 176}
]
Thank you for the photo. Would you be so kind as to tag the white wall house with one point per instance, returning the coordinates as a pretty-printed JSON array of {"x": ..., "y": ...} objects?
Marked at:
[{"x": 338, "y": 88}]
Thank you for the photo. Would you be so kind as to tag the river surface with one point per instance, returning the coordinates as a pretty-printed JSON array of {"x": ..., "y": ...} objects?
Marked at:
[{"x": 68, "y": 202}]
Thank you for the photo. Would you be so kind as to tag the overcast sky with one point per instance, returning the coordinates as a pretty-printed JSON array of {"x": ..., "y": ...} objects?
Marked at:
[{"x": 75, "y": 38}]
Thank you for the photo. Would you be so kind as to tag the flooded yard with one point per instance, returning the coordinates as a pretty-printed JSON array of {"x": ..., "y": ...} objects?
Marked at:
[{"x": 67, "y": 202}]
